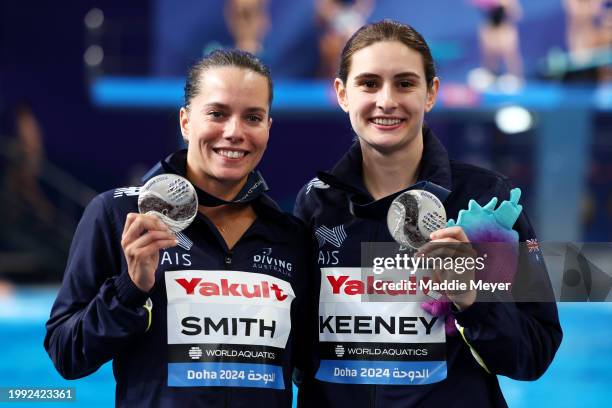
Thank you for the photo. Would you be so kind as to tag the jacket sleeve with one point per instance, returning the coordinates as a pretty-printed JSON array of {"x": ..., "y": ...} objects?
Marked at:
[
  {"x": 302, "y": 318},
  {"x": 98, "y": 308},
  {"x": 515, "y": 339},
  {"x": 308, "y": 332}
]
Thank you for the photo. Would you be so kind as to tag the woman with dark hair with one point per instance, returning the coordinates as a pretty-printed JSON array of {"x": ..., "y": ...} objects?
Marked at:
[
  {"x": 25, "y": 156},
  {"x": 394, "y": 352},
  {"x": 208, "y": 316}
]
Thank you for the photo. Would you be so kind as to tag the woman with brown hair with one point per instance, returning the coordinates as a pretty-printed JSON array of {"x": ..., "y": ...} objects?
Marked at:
[{"x": 395, "y": 352}]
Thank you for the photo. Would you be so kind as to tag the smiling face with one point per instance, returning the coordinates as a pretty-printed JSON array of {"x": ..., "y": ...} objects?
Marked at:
[
  {"x": 386, "y": 95},
  {"x": 226, "y": 125}
]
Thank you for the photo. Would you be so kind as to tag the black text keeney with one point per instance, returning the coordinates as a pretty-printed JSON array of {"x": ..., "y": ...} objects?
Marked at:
[{"x": 408, "y": 325}]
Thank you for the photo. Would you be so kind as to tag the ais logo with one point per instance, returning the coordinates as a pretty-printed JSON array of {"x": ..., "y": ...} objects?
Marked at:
[
  {"x": 333, "y": 237},
  {"x": 173, "y": 257}
]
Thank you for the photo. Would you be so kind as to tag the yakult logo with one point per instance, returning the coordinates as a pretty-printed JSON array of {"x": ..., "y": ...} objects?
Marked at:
[
  {"x": 224, "y": 288},
  {"x": 343, "y": 284}
]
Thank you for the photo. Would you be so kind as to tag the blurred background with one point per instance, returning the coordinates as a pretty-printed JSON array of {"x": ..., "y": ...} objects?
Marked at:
[{"x": 89, "y": 99}]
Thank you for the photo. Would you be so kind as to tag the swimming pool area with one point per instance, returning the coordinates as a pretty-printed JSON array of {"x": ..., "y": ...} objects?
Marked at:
[{"x": 580, "y": 376}]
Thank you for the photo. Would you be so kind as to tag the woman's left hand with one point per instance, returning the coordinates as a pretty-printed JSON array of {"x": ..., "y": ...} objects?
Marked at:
[{"x": 452, "y": 242}]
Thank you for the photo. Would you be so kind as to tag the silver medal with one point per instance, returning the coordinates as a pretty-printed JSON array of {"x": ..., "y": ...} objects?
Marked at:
[
  {"x": 413, "y": 215},
  {"x": 171, "y": 198}
]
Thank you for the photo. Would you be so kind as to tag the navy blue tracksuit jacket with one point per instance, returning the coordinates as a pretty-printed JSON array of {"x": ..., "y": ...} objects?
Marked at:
[
  {"x": 220, "y": 328},
  {"x": 518, "y": 340}
]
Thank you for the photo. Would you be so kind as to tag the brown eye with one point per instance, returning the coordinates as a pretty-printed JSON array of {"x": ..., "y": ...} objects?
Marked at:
[
  {"x": 215, "y": 114},
  {"x": 254, "y": 118},
  {"x": 369, "y": 84}
]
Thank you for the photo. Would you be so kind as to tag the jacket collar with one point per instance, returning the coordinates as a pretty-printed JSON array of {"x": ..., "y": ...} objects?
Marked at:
[
  {"x": 277, "y": 228},
  {"x": 347, "y": 175}
]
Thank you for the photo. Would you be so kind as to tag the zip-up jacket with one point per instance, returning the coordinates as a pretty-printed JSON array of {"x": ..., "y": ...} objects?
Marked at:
[
  {"x": 219, "y": 328},
  {"x": 359, "y": 358}
]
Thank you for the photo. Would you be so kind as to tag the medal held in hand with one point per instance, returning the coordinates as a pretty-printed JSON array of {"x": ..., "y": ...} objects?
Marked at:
[
  {"x": 413, "y": 215},
  {"x": 171, "y": 198}
]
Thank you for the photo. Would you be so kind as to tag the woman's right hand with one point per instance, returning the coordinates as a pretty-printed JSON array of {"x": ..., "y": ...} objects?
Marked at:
[{"x": 143, "y": 237}]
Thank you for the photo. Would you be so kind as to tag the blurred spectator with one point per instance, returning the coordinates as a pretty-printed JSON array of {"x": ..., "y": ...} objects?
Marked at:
[
  {"x": 29, "y": 238},
  {"x": 588, "y": 38},
  {"x": 338, "y": 20},
  {"x": 499, "y": 38},
  {"x": 25, "y": 156},
  {"x": 6, "y": 289},
  {"x": 248, "y": 23},
  {"x": 604, "y": 41},
  {"x": 39, "y": 201},
  {"x": 582, "y": 28}
]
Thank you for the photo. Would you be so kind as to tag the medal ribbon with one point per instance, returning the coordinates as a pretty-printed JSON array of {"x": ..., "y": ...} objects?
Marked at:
[{"x": 176, "y": 163}]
